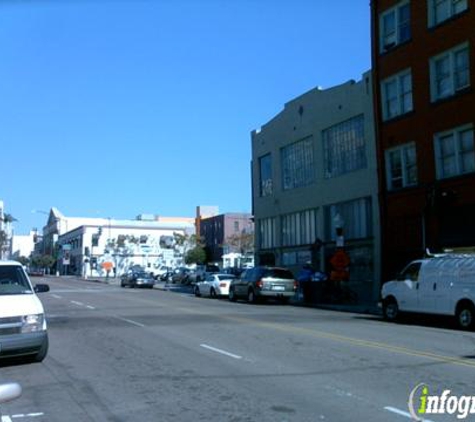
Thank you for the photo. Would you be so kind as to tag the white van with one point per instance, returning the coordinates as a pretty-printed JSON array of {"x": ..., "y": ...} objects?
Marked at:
[
  {"x": 23, "y": 330},
  {"x": 443, "y": 285}
]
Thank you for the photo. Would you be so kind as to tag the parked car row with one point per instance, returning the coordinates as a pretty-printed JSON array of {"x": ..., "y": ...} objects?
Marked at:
[{"x": 254, "y": 284}]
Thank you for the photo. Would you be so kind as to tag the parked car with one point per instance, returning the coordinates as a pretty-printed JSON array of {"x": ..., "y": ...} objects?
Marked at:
[
  {"x": 180, "y": 275},
  {"x": 201, "y": 272},
  {"x": 214, "y": 285},
  {"x": 443, "y": 285},
  {"x": 161, "y": 271},
  {"x": 137, "y": 278},
  {"x": 23, "y": 328},
  {"x": 262, "y": 283}
]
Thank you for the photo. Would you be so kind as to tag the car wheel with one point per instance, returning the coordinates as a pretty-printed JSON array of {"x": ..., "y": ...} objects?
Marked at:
[
  {"x": 39, "y": 357},
  {"x": 466, "y": 316},
  {"x": 197, "y": 291},
  {"x": 212, "y": 293},
  {"x": 251, "y": 296},
  {"x": 390, "y": 310},
  {"x": 232, "y": 295}
]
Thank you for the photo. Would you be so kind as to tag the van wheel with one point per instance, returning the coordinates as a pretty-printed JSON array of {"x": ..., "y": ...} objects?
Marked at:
[
  {"x": 465, "y": 316},
  {"x": 390, "y": 310}
]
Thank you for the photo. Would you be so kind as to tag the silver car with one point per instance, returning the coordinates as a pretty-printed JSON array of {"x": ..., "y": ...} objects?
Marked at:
[{"x": 262, "y": 283}]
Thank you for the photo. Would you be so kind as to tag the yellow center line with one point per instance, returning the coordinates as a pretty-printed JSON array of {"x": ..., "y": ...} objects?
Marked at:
[
  {"x": 344, "y": 339},
  {"x": 324, "y": 334}
]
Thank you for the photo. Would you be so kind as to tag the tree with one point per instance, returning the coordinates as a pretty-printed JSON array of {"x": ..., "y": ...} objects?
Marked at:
[
  {"x": 241, "y": 242},
  {"x": 43, "y": 261},
  {"x": 23, "y": 260},
  {"x": 197, "y": 255}
]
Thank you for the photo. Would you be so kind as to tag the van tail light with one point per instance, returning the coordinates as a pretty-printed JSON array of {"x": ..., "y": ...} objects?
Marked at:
[
  {"x": 259, "y": 284},
  {"x": 296, "y": 285}
]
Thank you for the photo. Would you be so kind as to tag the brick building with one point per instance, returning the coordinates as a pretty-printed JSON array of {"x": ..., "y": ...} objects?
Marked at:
[{"x": 423, "y": 64}]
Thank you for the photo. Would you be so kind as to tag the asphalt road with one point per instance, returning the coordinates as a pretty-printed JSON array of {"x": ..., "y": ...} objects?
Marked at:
[{"x": 150, "y": 355}]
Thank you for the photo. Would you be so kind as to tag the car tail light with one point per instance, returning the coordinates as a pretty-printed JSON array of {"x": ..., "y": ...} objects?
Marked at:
[
  {"x": 296, "y": 285},
  {"x": 259, "y": 284},
  {"x": 222, "y": 284}
]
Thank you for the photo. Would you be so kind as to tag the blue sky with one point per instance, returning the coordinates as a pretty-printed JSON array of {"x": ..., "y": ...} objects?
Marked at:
[{"x": 113, "y": 108}]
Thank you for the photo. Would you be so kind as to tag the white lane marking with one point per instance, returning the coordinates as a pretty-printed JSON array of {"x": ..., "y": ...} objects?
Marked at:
[
  {"x": 82, "y": 291},
  {"x": 28, "y": 415},
  {"x": 77, "y": 303},
  {"x": 223, "y": 352},
  {"x": 402, "y": 413},
  {"x": 6, "y": 419},
  {"x": 138, "y": 324},
  {"x": 90, "y": 307},
  {"x": 56, "y": 296}
]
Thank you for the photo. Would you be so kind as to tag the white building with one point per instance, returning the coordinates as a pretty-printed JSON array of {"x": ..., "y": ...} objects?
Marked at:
[
  {"x": 23, "y": 245},
  {"x": 90, "y": 246}
]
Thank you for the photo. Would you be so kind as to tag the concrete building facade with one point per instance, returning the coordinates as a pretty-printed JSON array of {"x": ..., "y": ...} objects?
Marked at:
[{"x": 314, "y": 177}]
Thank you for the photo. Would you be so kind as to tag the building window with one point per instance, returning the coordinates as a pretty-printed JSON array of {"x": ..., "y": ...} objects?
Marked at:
[
  {"x": 265, "y": 175},
  {"x": 455, "y": 152},
  {"x": 441, "y": 10},
  {"x": 450, "y": 72},
  {"x": 397, "y": 95},
  {"x": 401, "y": 166},
  {"x": 299, "y": 228},
  {"x": 236, "y": 226},
  {"x": 267, "y": 238},
  {"x": 344, "y": 147},
  {"x": 355, "y": 218},
  {"x": 395, "y": 26},
  {"x": 298, "y": 165}
]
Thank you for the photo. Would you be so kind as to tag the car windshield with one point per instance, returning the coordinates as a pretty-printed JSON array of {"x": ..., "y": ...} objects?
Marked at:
[
  {"x": 142, "y": 274},
  {"x": 13, "y": 281}
]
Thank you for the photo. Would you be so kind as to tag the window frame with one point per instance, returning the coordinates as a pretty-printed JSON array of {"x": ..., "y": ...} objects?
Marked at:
[
  {"x": 458, "y": 154},
  {"x": 384, "y": 46},
  {"x": 432, "y": 11},
  {"x": 401, "y": 149},
  {"x": 453, "y": 71},
  {"x": 265, "y": 186},
  {"x": 396, "y": 78},
  {"x": 298, "y": 164},
  {"x": 344, "y": 147}
]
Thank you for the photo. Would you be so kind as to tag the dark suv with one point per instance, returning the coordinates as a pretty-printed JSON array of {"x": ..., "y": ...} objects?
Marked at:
[{"x": 262, "y": 283}]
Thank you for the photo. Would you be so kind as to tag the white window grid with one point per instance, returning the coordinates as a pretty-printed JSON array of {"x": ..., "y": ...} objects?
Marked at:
[
  {"x": 401, "y": 166},
  {"x": 344, "y": 147},
  {"x": 442, "y": 10},
  {"x": 397, "y": 95},
  {"x": 299, "y": 228},
  {"x": 298, "y": 164},
  {"x": 454, "y": 151},
  {"x": 267, "y": 233},
  {"x": 394, "y": 26},
  {"x": 450, "y": 72},
  {"x": 356, "y": 216}
]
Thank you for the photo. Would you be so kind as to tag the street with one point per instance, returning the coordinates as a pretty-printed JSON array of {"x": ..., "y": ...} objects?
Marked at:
[{"x": 151, "y": 355}]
